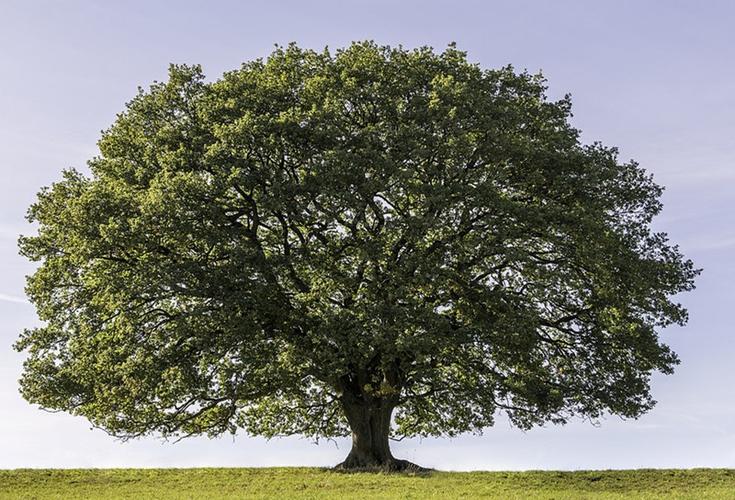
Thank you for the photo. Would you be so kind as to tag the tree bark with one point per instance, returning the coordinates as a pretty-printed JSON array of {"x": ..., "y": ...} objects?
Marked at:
[{"x": 370, "y": 424}]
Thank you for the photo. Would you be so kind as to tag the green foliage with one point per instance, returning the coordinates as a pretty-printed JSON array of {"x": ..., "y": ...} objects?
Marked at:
[
  {"x": 398, "y": 225},
  {"x": 696, "y": 484}
]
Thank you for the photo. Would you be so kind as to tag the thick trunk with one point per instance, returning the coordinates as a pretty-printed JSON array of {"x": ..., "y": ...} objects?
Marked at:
[{"x": 370, "y": 425}]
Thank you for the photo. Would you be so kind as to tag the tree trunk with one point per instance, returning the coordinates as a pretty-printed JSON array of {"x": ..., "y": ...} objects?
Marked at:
[{"x": 370, "y": 424}]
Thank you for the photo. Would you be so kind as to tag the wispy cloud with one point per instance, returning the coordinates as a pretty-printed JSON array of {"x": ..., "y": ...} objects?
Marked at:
[
  {"x": 11, "y": 232},
  {"x": 704, "y": 175},
  {"x": 12, "y": 298},
  {"x": 710, "y": 244}
]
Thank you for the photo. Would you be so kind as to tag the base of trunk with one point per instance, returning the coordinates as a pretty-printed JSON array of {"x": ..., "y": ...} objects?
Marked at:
[
  {"x": 370, "y": 423},
  {"x": 354, "y": 464}
]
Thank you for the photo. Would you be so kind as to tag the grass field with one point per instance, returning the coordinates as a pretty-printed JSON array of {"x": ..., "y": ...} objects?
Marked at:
[{"x": 319, "y": 483}]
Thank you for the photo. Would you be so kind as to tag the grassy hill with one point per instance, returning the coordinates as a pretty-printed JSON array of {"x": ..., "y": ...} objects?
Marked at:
[{"x": 321, "y": 483}]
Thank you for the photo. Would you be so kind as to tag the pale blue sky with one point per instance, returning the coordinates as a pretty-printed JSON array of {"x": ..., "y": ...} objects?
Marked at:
[{"x": 655, "y": 78}]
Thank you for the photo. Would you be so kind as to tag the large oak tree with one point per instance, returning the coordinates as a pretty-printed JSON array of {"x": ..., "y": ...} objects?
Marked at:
[{"x": 377, "y": 242}]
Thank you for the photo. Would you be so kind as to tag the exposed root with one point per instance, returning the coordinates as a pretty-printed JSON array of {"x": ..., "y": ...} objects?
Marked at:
[{"x": 392, "y": 465}]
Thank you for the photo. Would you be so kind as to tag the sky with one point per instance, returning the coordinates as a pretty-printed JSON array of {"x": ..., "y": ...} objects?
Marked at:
[{"x": 654, "y": 78}]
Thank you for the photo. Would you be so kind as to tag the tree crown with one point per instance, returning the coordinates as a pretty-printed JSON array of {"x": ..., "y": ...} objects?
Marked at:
[{"x": 379, "y": 223}]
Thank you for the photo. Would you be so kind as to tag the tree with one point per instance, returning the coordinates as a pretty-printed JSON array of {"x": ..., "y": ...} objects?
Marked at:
[{"x": 377, "y": 242}]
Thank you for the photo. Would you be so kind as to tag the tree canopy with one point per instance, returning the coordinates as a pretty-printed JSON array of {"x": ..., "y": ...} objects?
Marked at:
[{"x": 370, "y": 241}]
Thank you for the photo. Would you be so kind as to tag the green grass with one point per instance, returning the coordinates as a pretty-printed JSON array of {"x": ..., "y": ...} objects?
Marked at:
[{"x": 320, "y": 483}]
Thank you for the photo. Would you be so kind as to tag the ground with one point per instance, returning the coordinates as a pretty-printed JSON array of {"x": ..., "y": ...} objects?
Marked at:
[{"x": 322, "y": 483}]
